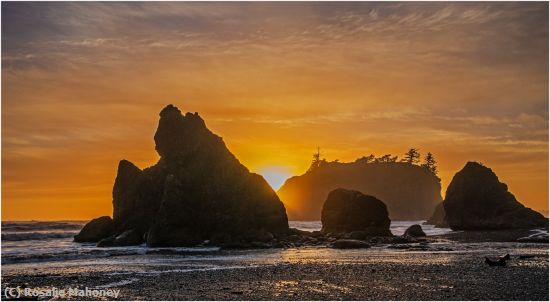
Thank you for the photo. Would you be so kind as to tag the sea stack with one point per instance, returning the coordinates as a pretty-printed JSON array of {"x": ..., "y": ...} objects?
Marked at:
[
  {"x": 409, "y": 191},
  {"x": 477, "y": 200},
  {"x": 197, "y": 191},
  {"x": 350, "y": 211}
]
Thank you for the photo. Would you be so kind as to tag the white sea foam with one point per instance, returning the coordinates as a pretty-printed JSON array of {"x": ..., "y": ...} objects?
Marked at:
[
  {"x": 541, "y": 234},
  {"x": 118, "y": 284},
  {"x": 396, "y": 227},
  {"x": 20, "y": 236}
]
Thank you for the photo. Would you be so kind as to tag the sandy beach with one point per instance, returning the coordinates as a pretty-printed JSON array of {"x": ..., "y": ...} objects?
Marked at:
[{"x": 308, "y": 273}]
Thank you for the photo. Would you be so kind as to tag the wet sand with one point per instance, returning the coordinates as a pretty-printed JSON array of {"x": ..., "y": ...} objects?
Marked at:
[{"x": 312, "y": 274}]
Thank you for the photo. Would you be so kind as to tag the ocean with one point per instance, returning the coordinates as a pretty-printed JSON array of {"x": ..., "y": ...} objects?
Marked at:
[
  {"x": 43, "y": 254},
  {"x": 41, "y": 241},
  {"x": 36, "y": 246}
]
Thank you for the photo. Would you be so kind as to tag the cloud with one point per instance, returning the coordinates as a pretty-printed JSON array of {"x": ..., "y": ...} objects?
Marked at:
[{"x": 84, "y": 81}]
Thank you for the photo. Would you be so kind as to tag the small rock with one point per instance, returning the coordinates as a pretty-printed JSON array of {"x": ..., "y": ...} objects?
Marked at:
[
  {"x": 400, "y": 246},
  {"x": 95, "y": 230},
  {"x": 414, "y": 230},
  {"x": 316, "y": 234},
  {"x": 398, "y": 240},
  {"x": 295, "y": 231},
  {"x": 293, "y": 238},
  {"x": 349, "y": 244},
  {"x": 499, "y": 262}
]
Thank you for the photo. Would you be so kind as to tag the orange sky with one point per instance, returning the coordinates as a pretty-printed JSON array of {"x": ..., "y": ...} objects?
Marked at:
[{"x": 82, "y": 85}]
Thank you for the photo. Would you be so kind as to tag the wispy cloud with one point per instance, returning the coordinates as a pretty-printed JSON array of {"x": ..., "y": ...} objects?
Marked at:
[{"x": 82, "y": 81}]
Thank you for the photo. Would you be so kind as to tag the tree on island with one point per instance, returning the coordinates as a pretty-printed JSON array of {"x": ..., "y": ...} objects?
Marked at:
[
  {"x": 317, "y": 161},
  {"x": 366, "y": 159},
  {"x": 386, "y": 159},
  {"x": 430, "y": 163},
  {"x": 412, "y": 156}
]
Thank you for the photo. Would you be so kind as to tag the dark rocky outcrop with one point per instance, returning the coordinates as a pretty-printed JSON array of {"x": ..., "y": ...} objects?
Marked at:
[
  {"x": 438, "y": 217},
  {"x": 414, "y": 230},
  {"x": 350, "y": 244},
  {"x": 477, "y": 200},
  {"x": 410, "y": 192},
  {"x": 358, "y": 235},
  {"x": 135, "y": 198},
  {"x": 95, "y": 230},
  {"x": 348, "y": 211},
  {"x": 197, "y": 191}
]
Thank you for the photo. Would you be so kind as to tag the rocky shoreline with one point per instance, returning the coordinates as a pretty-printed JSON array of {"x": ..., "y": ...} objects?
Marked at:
[
  {"x": 310, "y": 273},
  {"x": 199, "y": 194},
  {"x": 358, "y": 239}
]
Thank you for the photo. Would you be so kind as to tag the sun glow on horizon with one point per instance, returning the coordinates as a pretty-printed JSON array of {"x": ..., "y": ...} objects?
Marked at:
[
  {"x": 274, "y": 81},
  {"x": 275, "y": 175}
]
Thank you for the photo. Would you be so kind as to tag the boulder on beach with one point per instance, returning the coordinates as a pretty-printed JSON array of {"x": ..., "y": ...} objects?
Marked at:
[
  {"x": 349, "y": 244},
  {"x": 348, "y": 211},
  {"x": 197, "y": 191},
  {"x": 477, "y": 200},
  {"x": 414, "y": 230},
  {"x": 95, "y": 230}
]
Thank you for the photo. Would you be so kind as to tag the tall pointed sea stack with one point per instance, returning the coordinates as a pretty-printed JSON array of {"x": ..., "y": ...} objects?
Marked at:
[{"x": 197, "y": 191}]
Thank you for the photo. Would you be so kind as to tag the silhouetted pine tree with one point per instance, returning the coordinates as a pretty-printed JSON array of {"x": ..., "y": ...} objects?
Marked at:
[
  {"x": 412, "y": 156},
  {"x": 366, "y": 159},
  {"x": 430, "y": 163},
  {"x": 316, "y": 162}
]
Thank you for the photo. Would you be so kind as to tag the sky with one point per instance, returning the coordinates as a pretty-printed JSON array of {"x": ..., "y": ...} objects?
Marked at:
[{"x": 83, "y": 83}]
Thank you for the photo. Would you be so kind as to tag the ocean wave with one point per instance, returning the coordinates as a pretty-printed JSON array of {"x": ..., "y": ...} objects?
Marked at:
[
  {"x": 94, "y": 253},
  {"x": 397, "y": 227},
  {"x": 41, "y": 226},
  {"x": 20, "y": 236},
  {"x": 65, "y": 255}
]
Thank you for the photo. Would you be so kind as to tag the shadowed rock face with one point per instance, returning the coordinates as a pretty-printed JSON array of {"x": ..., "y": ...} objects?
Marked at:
[
  {"x": 197, "y": 191},
  {"x": 477, "y": 200},
  {"x": 135, "y": 198},
  {"x": 409, "y": 191},
  {"x": 348, "y": 211},
  {"x": 438, "y": 217}
]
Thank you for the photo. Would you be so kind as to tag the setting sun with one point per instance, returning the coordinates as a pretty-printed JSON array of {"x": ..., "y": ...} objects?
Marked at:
[
  {"x": 276, "y": 175},
  {"x": 278, "y": 150}
]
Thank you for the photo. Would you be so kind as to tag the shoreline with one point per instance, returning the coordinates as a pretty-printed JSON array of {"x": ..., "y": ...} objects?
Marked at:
[
  {"x": 318, "y": 274},
  {"x": 448, "y": 266}
]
